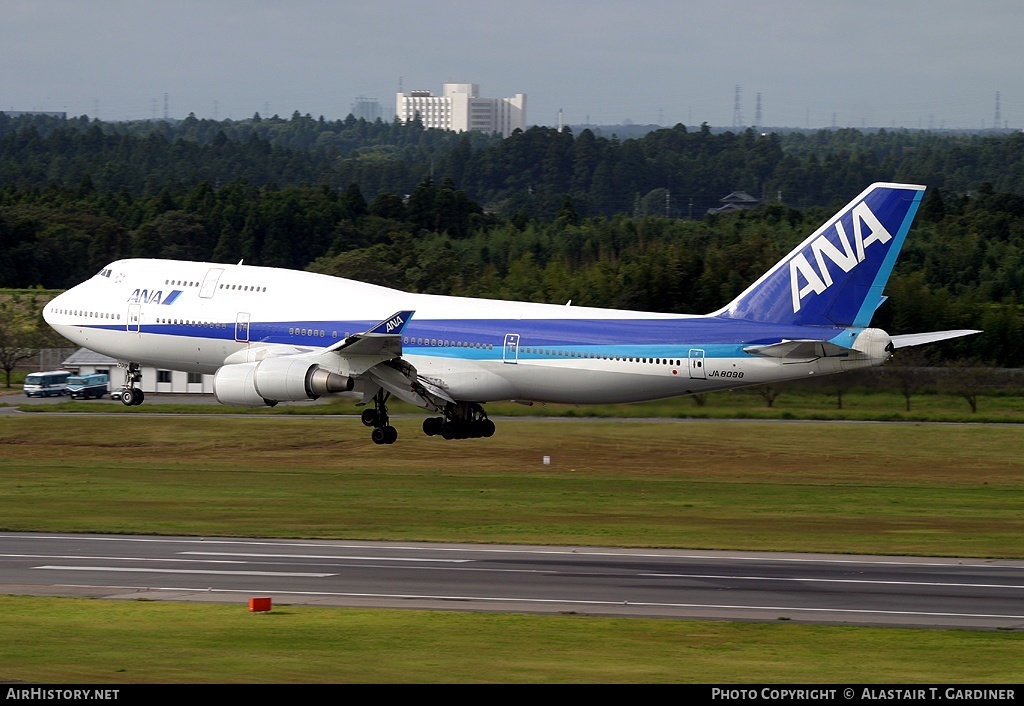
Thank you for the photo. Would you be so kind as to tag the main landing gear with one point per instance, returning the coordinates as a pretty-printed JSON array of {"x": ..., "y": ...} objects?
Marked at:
[
  {"x": 464, "y": 420},
  {"x": 132, "y": 396},
  {"x": 383, "y": 432}
]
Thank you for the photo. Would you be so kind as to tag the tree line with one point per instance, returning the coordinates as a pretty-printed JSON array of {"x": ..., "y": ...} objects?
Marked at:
[
  {"x": 524, "y": 221},
  {"x": 531, "y": 171}
]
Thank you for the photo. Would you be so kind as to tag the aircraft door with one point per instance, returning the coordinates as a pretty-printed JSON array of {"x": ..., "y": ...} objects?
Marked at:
[
  {"x": 242, "y": 327},
  {"x": 510, "y": 351},
  {"x": 697, "y": 370},
  {"x": 134, "y": 317},
  {"x": 209, "y": 287}
]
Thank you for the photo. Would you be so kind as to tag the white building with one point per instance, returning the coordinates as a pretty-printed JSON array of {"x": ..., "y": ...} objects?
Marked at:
[
  {"x": 462, "y": 109},
  {"x": 86, "y": 362}
]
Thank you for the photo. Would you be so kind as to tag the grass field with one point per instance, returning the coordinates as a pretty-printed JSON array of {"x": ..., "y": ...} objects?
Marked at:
[
  {"x": 953, "y": 490},
  {"x": 861, "y": 488},
  {"x": 82, "y": 641}
]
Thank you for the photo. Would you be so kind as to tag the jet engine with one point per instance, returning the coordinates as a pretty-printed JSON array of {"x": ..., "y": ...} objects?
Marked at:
[{"x": 274, "y": 380}]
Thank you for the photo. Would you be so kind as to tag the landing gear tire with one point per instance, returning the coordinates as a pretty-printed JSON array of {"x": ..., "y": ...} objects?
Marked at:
[
  {"x": 384, "y": 435},
  {"x": 369, "y": 417},
  {"x": 132, "y": 397},
  {"x": 465, "y": 420}
]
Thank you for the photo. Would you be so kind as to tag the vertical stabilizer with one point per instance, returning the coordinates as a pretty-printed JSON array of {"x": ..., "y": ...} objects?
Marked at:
[{"x": 836, "y": 276}]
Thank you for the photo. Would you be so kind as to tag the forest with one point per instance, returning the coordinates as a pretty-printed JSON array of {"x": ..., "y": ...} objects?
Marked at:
[{"x": 542, "y": 215}]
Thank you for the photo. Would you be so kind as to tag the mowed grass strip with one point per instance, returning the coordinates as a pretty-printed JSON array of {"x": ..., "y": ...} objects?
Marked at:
[
  {"x": 71, "y": 640},
  {"x": 744, "y": 404},
  {"x": 822, "y": 487}
]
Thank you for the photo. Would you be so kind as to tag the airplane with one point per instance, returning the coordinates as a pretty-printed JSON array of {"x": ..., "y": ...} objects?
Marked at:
[{"x": 270, "y": 335}]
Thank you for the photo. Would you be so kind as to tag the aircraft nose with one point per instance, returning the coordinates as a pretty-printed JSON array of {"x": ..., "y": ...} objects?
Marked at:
[
  {"x": 51, "y": 307},
  {"x": 61, "y": 302}
]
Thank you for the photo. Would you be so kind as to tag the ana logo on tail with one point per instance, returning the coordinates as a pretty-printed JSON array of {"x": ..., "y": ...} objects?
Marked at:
[
  {"x": 852, "y": 254},
  {"x": 394, "y": 323}
]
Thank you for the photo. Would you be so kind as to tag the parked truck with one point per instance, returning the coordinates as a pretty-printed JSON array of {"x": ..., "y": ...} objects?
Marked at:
[{"x": 85, "y": 387}]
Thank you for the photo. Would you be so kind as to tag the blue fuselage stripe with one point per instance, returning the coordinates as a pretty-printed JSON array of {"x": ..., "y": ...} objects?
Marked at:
[{"x": 537, "y": 338}]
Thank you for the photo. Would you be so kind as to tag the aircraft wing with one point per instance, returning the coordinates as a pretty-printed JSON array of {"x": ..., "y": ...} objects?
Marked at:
[
  {"x": 917, "y": 339},
  {"x": 376, "y": 356},
  {"x": 800, "y": 349},
  {"x": 400, "y": 378}
]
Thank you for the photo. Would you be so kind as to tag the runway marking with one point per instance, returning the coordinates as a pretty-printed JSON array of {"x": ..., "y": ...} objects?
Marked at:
[
  {"x": 183, "y": 571},
  {"x": 560, "y": 601},
  {"x": 328, "y": 556},
  {"x": 817, "y": 580},
  {"x": 74, "y": 557}
]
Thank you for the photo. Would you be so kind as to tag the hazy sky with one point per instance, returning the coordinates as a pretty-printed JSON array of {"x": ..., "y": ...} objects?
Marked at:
[{"x": 913, "y": 63}]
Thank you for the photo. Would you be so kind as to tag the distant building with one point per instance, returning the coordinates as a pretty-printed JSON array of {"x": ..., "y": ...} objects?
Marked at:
[
  {"x": 736, "y": 201},
  {"x": 462, "y": 109},
  {"x": 19, "y": 113},
  {"x": 86, "y": 362},
  {"x": 367, "y": 109}
]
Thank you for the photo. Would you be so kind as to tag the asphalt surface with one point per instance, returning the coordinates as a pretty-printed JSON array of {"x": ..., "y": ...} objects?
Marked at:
[{"x": 835, "y": 589}]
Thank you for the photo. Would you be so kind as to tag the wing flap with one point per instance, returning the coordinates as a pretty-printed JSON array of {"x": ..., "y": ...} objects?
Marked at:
[{"x": 401, "y": 380}]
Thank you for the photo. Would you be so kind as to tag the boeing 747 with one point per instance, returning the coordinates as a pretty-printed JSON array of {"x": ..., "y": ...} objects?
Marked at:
[{"x": 271, "y": 335}]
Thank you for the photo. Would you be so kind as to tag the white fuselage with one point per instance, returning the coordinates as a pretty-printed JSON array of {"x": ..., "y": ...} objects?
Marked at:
[{"x": 193, "y": 316}]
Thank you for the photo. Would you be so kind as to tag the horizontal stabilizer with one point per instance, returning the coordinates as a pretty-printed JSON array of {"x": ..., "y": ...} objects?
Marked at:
[
  {"x": 917, "y": 339},
  {"x": 800, "y": 350}
]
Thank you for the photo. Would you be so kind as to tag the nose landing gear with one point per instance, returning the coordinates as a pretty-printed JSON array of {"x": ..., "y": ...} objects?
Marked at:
[{"x": 132, "y": 396}]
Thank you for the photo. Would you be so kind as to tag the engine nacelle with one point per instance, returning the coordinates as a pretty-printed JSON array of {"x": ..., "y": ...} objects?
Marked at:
[{"x": 274, "y": 380}]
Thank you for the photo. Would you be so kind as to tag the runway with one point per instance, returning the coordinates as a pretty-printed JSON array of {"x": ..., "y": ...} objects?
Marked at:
[{"x": 805, "y": 588}]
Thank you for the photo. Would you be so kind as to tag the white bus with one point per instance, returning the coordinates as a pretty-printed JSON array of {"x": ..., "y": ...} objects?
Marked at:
[{"x": 49, "y": 384}]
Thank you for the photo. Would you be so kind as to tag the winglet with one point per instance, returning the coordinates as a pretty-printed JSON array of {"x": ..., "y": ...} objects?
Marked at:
[
  {"x": 384, "y": 338},
  {"x": 392, "y": 325}
]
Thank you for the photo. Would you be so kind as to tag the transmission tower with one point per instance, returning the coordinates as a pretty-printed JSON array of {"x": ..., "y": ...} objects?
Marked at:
[
  {"x": 997, "y": 123},
  {"x": 757, "y": 113},
  {"x": 737, "y": 112}
]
